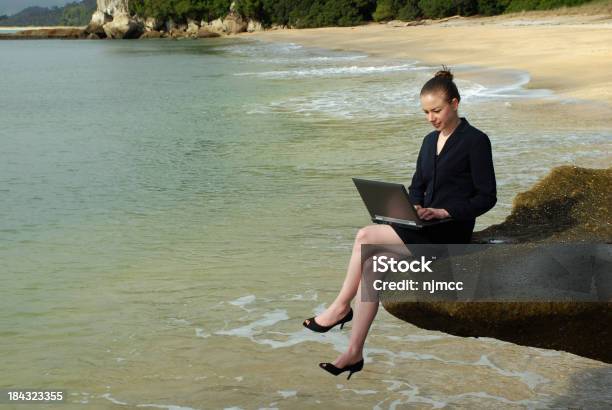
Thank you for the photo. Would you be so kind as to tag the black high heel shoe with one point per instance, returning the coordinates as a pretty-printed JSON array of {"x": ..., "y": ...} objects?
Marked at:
[
  {"x": 315, "y": 327},
  {"x": 351, "y": 368}
]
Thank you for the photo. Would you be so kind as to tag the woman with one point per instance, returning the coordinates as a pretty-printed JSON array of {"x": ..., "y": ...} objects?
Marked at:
[{"x": 454, "y": 177}]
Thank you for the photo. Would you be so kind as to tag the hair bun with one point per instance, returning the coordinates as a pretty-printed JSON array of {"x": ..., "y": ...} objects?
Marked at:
[{"x": 444, "y": 73}]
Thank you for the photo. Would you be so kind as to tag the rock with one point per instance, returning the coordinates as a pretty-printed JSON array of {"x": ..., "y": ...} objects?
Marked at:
[
  {"x": 95, "y": 26},
  {"x": 192, "y": 25},
  {"x": 569, "y": 205},
  {"x": 113, "y": 7},
  {"x": 571, "y": 326},
  {"x": 123, "y": 26},
  {"x": 204, "y": 33},
  {"x": 253, "y": 26},
  {"x": 397, "y": 23},
  {"x": 170, "y": 25},
  {"x": 99, "y": 18},
  {"x": 151, "y": 34},
  {"x": 216, "y": 26},
  {"x": 153, "y": 24},
  {"x": 177, "y": 34},
  {"x": 54, "y": 33},
  {"x": 234, "y": 24},
  {"x": 95, "y": 30},
  {"x": 106, "y": 11}
]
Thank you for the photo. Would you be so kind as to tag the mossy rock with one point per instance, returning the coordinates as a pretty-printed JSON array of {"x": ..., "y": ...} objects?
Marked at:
[{"x": 569, "y": 205}]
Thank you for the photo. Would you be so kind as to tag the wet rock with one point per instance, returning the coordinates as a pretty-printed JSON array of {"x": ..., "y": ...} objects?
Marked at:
[
  {"x": 41, "y": 34},
  {"x": 576, "y": 327},
  {"x": 177, "y": 33},
  {"x": 253, "y": 26},
  {"x": 569, "y": 205},
  {"x": 96, "y": 25},
  {"x": 215, "y": 26},
  {"x": 192, "y": 28},
  {"x": 204, "y": 33},
  {"x": 123, "y": 27},
  {"x": 151, "y": 34},
  {"x": 153, "y": 24},
  {"x": 234, "y": 24},
  {"x": 170, "y": 25}
]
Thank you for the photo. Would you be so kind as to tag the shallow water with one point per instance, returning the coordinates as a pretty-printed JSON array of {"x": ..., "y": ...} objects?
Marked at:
[{"x": 171, "y": 211}]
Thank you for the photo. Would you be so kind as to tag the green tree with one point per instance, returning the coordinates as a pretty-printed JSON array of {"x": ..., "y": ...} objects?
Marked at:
[
  {"x": 410, "y": 11},
  {"x": 436, "y": 9},
  {"x": 384, "y": 10}
]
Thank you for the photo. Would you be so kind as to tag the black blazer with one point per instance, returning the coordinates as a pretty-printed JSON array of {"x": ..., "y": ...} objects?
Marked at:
[{"x": 461, "y": 179}]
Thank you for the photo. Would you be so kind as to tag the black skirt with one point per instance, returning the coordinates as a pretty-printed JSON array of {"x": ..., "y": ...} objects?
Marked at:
[{"x": 447, "y": 232}]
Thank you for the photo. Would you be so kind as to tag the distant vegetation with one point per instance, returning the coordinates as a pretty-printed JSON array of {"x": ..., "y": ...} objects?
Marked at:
[
  {"x": 72, "y": 14},
  {"x": 295, "y": 13},
  {"x": 317, "y": 13}
]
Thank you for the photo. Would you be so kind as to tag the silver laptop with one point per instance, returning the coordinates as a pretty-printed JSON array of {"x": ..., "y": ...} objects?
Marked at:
[{"x": 388, "y": 203}]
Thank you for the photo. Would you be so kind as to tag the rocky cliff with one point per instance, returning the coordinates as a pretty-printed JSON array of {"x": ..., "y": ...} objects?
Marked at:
[{"x": 112, "y": 19}]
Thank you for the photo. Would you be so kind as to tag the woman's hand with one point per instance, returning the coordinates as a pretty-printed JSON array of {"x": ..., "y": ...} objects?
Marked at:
[{"x": 431, "y": 213}]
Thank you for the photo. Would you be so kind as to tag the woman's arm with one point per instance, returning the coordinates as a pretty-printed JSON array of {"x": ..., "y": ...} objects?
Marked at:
[
  {"x": 483, "y": 180},
  {"x": 416, "y": 190}
]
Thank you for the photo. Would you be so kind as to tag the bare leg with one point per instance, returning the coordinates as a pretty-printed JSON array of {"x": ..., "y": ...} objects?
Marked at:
[
  {"x": 371, "y": 234},
  {"x": 363, "y": 318}
]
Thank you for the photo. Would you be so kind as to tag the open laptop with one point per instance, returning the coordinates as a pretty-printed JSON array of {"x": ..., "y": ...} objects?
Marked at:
[{"x": 389, "y": 203}]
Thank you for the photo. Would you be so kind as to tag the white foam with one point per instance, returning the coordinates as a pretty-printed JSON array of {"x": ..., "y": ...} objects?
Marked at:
[
  {"x": 309, "y": 295},
  {"x": 201, "y": 333},
  {"x": 532, "y": 380},
  {"x": 331, "y": 71},
  {"x": 412, "y": 395},
  {"x": 179, "y": 321},
  {"x": 362, "y": 392},
  {"x": 287, "y": 393},
  {"x": 380, "y": 101},
  {"x": 166, "y": 406},
  {"x": 515, "y": 89},
  {"x": 310, "y": 60},
  {"x": 256, "y": 329},
  {"x": 269, "y": 319},
  {"x": 108, "y": 397},
  {"x": 243, "y": 301},
  {"x": 416, "y": 338}
]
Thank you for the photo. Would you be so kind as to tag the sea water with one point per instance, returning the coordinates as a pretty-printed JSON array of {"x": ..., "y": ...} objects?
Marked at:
[{"x": 172, "y": 211}]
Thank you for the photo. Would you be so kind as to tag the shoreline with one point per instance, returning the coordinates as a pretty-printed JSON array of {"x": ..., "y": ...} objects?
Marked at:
[
  {"x": 569, "y": 54},
  {"x": 21, "y": 28},
  {"x": 572, "y": 60}
]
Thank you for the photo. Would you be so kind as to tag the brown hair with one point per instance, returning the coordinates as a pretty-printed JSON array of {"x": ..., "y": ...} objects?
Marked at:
[{"x": 442, "y": 82}]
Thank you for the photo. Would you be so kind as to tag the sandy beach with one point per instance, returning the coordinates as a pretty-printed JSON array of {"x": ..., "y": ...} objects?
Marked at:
[{"x": 568, "y": 54}]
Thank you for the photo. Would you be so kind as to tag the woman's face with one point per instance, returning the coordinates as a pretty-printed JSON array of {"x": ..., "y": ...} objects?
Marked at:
[{"x": 440, "y": 113}]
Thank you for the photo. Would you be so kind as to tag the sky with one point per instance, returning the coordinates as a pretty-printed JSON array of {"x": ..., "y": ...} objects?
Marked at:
[{"x": 13, "y": 6}]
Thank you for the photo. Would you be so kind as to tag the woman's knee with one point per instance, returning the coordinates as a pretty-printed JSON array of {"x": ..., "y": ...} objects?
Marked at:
[
  {"x": 377, "y": 234},
  {"x": 364, "y": 235}
]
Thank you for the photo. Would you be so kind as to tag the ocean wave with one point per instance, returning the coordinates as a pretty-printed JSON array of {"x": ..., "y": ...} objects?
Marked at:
[
  {"x": 256, "y": 48},
  {"x": 332, "y": 71},
  {"x": 514, "y": 89},
  {"x": 384, "y": 99},
  {"x": 378, "y": 101}
]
